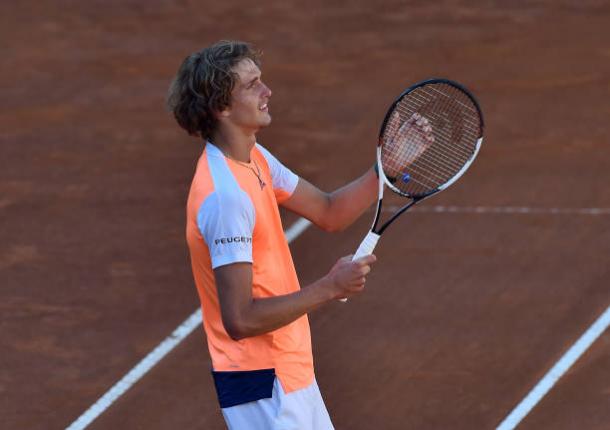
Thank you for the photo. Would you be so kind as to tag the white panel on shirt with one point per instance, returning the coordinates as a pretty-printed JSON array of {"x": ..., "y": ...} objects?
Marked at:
[
  {"x": 283, "y": 177},
  {"x": 226, "y": 217}
]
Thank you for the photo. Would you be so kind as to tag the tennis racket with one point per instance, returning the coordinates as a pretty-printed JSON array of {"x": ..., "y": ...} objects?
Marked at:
[{"x": 429, "y": 137}]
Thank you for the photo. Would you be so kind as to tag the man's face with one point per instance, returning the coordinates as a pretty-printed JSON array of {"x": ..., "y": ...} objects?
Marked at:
[{"x": 249, "y": 99}]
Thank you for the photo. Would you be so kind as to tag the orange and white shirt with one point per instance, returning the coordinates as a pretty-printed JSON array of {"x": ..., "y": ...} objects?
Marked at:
[{"x": 233, "y": 216}]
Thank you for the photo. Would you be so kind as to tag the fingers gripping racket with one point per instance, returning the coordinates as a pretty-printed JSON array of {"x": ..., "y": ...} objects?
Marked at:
[{"x": 429, "y": 137}]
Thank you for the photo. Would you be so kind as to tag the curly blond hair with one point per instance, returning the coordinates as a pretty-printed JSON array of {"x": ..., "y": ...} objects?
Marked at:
[{"x": 204, "y": 83}]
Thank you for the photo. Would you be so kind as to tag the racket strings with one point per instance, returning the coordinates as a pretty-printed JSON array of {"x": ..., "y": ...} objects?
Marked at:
[
  {"x": 466, "y": 127},
  {"x": 436, "y": 118},
  {"x": 423, "y": 159},
  {"x": 436, "y": 173},
  {"x": 451, "y": 154},
  {"x": 453, "y": 158}
]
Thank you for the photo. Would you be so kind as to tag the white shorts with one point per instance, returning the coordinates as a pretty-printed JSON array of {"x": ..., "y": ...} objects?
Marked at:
[{"x": 300, "y": 410}]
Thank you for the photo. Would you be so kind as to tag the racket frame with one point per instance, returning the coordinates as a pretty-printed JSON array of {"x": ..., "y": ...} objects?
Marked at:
[
  {"x": 370, "y": 241},
  {"x": 383, "y": 179}
]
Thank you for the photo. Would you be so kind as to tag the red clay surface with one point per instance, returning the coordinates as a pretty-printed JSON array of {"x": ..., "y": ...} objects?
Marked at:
[{"x": 463, "y": 313}]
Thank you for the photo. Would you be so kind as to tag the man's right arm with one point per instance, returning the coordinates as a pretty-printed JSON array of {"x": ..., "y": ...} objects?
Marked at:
[{"x": 244, "y": 316}]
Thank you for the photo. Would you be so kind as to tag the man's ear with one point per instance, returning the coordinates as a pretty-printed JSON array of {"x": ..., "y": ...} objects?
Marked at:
[{"x": 223, "y": 113}]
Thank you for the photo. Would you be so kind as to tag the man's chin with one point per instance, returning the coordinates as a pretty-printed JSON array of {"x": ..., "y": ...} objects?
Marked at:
[{"x": 266, "y": 122}]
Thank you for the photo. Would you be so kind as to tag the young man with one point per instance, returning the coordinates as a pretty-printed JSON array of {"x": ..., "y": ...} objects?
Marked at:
[{"x": 254, "y": 312}]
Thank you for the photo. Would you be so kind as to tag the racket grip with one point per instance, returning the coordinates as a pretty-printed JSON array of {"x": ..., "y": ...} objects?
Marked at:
[
  {"x": 367, "y": 245},
  {"x": 366, "y": 248}
]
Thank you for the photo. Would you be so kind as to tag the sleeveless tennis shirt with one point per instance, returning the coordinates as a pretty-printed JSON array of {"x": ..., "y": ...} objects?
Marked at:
[{"x": 233, "y": 217}]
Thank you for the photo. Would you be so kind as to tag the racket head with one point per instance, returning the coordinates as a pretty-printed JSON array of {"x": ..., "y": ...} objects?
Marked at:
[{"x": 429, "y": 137}]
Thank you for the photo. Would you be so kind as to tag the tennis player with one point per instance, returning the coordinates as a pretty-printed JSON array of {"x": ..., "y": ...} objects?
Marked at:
[{"x": 254, "y": 311}]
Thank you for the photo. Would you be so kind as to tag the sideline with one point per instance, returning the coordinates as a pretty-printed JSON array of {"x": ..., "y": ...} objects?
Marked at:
[
  {"x": 157, "y": 354},
  {"x": 523, "y": 210},
  {"x": 556, "y": 372}
]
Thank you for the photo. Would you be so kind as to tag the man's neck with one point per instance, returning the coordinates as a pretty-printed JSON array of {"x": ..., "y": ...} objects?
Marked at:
[{"x": 236, "y": 146}]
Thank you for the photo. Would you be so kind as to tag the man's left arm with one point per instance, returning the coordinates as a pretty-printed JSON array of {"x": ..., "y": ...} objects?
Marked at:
[{"x": 337, "y": 210}]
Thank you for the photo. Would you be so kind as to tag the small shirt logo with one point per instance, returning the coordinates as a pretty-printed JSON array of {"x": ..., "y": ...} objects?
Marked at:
[{"x": 232, "y": 239}]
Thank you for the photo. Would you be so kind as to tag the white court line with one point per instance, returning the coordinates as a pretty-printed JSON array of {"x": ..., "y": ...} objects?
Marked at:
[
  {"x": 157, "y": 354},
  {"x": 506, "y": 210},
  {"x": 556, "y": 372}
]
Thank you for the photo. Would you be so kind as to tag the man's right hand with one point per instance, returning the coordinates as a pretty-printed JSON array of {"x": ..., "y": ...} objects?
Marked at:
[{"x": 348, "y": 277}]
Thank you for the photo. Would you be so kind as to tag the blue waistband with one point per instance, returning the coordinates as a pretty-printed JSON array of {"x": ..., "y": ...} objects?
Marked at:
[{"x": 236, "y": 388}]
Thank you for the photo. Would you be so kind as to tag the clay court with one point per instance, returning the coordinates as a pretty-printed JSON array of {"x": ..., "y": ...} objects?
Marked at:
[{"x": 476, "y": 294}]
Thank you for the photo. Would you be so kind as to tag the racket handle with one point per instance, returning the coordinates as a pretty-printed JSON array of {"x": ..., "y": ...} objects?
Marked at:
[
  {"x": 366, "y": 248},
  {"x": 367, "y": 245}
]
